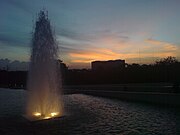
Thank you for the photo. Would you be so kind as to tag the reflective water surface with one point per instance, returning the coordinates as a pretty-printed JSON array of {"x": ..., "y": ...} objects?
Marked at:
[{"x": 89, "y": 115}]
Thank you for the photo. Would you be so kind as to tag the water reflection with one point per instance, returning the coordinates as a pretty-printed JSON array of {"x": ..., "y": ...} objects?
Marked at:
[{"x": 91, "y": 115}]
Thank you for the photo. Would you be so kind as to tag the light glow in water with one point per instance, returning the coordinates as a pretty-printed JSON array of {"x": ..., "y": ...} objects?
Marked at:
[
  {"x": 40, "y": 116},
  {"x": 47, "y": 117},
  {"x": 54, "y": 114},
  {"x": 37, "y": 114}
]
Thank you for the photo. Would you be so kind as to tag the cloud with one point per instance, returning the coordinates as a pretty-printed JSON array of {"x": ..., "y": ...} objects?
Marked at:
[
  {"x": 24, "y": 6},
  {"x": 100, "y": 54},
  {"x": 13, "y": 52},
  {"x": 66, "y": 49},
  {"x": 163, "y": 46},
  {"x": 13, "y": 40},
  {"x": 74, "y": 35},
  {"x": 112, "y": 45},
  {"x": 153, "y": 41},
  {"x": 87, "y": 57},
  {"x": 13, "y": 65},
  {"x": 147, "y": 51},
  {"x": 105, "y": 37},
  {"x": 66, "y": 33}
]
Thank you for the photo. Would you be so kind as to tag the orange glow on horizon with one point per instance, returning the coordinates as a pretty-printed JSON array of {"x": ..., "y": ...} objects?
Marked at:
[
  {"x": 89, "y": 57},
  {"x": 129, "y": 50}
]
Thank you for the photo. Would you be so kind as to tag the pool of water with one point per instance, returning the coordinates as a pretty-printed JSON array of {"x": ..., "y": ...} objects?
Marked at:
[{"x": 86, "y": 115}]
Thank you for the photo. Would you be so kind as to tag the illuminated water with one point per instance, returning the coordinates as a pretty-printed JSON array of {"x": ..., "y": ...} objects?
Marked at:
[
  {"x": 44, "y": 84},
  {"x": 89, "y": 115}
]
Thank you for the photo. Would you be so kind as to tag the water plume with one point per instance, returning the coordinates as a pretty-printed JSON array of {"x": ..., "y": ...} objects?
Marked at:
[{"x": 44, "y": 82}]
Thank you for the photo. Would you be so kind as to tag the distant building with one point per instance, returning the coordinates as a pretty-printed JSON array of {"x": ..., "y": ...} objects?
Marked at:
[{"x": 108, "y": 65}]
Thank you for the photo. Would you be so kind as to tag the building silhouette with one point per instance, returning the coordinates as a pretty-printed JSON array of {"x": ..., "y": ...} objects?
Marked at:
[{"x": 108, "y": 65}]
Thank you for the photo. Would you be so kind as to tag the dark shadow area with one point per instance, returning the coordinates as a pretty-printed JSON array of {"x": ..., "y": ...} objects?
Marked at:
[{"x": 165, "y": 71}]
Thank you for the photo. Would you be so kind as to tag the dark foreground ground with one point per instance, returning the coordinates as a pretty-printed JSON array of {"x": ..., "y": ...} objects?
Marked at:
[{"x": 89, "y": 115}]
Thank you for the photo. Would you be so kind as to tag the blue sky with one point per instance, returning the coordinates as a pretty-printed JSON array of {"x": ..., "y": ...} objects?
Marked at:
[{"x": 140, "y": 31}]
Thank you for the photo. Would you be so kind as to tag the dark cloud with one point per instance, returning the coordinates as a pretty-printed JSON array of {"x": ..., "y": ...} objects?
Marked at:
[
  {"x": 13, "y": 65},
  {"x": 13, "y": 41},
  {"x": 66, "y": 49},
  {"x": 70, "y": 49},
  {"x": 66, "y": 33},
  {"x": 20, "y": 4},
  {"x": 111, "y": 33},
  {"x": 88, "y": 38},
  {"x": 63, "y": 42},
  {"x": 82, "y": 35},
  {"x": 74, "y": 35}
]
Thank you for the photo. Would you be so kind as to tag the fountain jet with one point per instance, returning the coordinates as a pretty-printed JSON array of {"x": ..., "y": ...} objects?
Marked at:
[{"x": 44, "y": 81}]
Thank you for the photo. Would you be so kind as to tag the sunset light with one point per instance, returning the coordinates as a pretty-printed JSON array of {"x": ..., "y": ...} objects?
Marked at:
[
  {"x": 112, "y": 30},
  {"x": 81, "y": 67}
]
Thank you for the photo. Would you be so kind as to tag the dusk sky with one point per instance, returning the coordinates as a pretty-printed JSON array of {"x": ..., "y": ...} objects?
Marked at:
[{"x": 139, "y": 31}]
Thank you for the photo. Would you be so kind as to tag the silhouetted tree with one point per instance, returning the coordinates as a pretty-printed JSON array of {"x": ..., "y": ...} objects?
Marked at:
[
  {"x": 167, "y": 61},
  {"x": 164, "y": 70}
]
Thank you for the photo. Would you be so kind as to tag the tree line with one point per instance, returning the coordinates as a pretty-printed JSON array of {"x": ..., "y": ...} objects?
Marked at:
[{"x": 163, "y": 70}]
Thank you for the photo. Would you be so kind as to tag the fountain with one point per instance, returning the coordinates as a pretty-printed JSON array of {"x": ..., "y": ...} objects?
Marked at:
[{"x": 44, "y": 83}]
